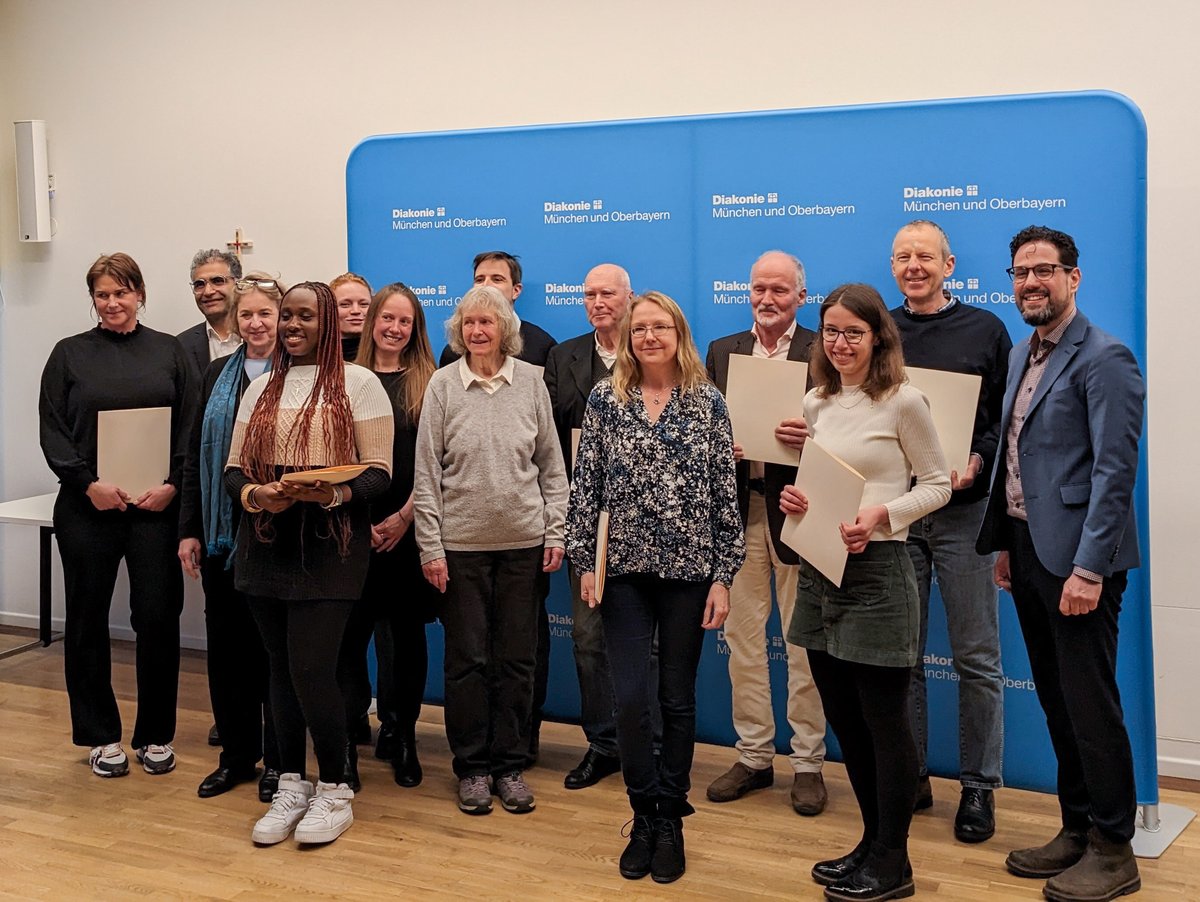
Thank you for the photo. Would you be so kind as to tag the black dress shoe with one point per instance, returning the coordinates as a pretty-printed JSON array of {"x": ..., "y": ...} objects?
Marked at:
[
  {"x": 214, "y": 736},
  {"x": 406, "y": 767},
  {"x": 591, "y": 770},
  {"x": 268, "y": 784},
  {"x": 976, "y": 818},
  {"x": 224, "y": 779}
]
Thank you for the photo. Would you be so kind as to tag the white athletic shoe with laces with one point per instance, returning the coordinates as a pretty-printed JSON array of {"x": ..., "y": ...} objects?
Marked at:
[
  {"x": 109, "y": 760},
  {"x": 288, "y": 806},
  {"x": 329, "y": 814},
  {"x": 156, "y": 759}
]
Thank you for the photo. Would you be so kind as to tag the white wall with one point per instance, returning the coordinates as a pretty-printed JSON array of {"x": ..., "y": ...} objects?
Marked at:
[{"x": 170, "y": 124}]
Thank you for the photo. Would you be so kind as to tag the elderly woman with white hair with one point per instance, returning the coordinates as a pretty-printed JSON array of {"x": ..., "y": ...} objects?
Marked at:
[{"x": 490, "y": 498}]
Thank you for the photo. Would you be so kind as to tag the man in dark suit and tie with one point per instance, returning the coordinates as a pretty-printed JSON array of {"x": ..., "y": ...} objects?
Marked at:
[
  {"x": 503, "y": 271},
  {"x": 1061, "y": 517},
  {"x": 777, "y": 289},
  {"x": 572, "y": 370},
  {"x": 212, "y": 276}
]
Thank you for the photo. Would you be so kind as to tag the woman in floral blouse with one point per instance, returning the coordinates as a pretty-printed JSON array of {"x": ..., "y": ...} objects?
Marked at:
[{"x": 656, "y": 453}]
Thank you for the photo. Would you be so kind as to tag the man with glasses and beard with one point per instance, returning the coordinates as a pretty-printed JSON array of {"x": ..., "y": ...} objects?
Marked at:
[{"x": 212, "y": 276}]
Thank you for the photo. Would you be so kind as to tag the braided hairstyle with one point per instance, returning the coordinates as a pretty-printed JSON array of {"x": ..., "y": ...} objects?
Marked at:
[{"x": 260, "y": 456}]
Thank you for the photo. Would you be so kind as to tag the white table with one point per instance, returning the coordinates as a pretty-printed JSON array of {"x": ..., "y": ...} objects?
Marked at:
[{"x": 36, "y": 511}]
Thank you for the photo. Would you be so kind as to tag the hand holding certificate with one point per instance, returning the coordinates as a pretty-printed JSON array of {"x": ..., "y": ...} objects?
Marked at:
[
  {"x": 761, "y": 394},
  {"x": 953, "y": 399},
  {"x": 834, "y": 490}
]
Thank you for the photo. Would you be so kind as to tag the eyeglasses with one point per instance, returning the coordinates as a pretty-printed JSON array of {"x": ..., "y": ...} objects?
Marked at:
[
  {"x": 244, "y": 284},
  {"x": 1042, "y": 272},
  {"x": 215, "y": 281},
  {"x": 852, "y": 335},
  {"x": 658, "y": 330}
]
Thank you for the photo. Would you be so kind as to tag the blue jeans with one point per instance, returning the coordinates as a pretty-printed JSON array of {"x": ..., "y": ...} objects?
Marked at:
[
  {"x": 633, "y": 607},
  {"x": 944, "y": 542}
]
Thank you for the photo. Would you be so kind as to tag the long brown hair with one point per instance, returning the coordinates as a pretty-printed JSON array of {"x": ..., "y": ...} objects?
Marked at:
[
  {"x": 886, "y": 371},
  {"x": 260, "y": 455},
  {"x": 416, "y": 360},
  {"x": 627, "y": 371}
]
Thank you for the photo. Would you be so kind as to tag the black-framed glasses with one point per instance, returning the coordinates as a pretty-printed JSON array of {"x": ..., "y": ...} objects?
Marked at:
[
  {"x": 1043, "y": 272},
  {"x": 852, "y": 335},
  {"x": 658, "y": 330},
  {"x": 248, "y": 284},
  {"x": 198, "y": 285}
]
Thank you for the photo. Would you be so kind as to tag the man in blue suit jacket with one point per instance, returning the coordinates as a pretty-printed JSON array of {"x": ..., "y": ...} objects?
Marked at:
[{"x": 1061, "y": 516}]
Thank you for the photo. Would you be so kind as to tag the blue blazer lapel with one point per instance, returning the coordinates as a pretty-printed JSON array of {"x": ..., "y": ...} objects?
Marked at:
[
  {"x": 1059, "y": 358},
  {"x": 1016, "y": 369}
]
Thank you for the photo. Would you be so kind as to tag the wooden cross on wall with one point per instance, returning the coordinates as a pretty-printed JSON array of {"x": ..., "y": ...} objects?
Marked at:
[{"x": 239, "y": 244}]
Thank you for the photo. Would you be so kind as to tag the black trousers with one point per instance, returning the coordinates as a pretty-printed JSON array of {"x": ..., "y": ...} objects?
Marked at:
[
  {"x": 636, "y": 609},
  {"x": 302, "y": 639},
  {"x": 867, "y": 706},
  {"x": 1074, "y": 664},
  {"x": 238, "y": 672},
  {"x": 401, "y": 653},
  {"x": 92, "y": 544},
  {"x": 490, "y": 612}
]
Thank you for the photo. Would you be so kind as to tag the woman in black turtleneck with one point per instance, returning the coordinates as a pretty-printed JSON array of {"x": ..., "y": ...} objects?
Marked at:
[{"x": 119, "y": 365}]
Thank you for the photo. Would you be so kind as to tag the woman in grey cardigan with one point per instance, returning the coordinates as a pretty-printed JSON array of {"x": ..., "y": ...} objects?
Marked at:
[{"x": 490, "y": 500}]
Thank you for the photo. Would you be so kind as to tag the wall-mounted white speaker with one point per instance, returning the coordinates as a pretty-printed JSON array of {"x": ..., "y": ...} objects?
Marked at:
[{"x": 33, "y": 181}]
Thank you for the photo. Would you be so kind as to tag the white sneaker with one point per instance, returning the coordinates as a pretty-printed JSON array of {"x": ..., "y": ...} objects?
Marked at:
[
  {"x": 156, "y": 759},
  {"x": 109, "y": 760},
  {"x": 329, "y": 814},
  {"x": 287, "y": 808}
]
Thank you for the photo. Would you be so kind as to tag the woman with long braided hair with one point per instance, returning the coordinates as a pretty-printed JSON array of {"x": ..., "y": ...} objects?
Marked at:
[{"x": 302, "y": 550}]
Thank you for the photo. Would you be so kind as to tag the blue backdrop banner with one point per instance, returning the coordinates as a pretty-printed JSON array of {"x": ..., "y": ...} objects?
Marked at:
[{"x": 686, "y": 205}]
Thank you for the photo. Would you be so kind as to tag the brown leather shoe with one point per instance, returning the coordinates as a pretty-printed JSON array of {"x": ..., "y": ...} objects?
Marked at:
[
  {"x": 1053, "y": 858},
  {"x": 739, "y": 780},
  {"x": 1106, "y": 870},
  {"x": 808, "y": 794}
]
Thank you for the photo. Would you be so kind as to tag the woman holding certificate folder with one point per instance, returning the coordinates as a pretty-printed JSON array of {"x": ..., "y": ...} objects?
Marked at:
[
  {"x": 119, "y": 366},
  {"x": 656, "y": 454},
  {"x": 303, "y": 544},
  {"x": 862, "y": 636}
]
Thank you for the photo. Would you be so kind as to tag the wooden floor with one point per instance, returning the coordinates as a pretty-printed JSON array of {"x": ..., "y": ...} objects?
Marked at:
[{"x": 66, "y": 834}]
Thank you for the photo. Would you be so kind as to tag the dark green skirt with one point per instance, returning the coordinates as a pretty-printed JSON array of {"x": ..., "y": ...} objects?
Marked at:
[{"x": 874, "y": 618}]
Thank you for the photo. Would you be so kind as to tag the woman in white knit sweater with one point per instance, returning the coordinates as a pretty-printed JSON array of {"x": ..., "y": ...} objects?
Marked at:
[{"x": 862, "y": 637}]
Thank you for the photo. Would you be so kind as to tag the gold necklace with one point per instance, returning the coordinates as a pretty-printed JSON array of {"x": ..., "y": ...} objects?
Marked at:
[{"x": 838, "y": 397}]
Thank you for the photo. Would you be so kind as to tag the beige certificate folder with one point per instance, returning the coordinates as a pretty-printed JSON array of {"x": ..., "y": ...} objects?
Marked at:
[
  {"x": 133, "y": 448},
  {"x": 761, "y": 394},
  {"x": 834, "y": 490},
  {"x": 575, "y": 435},
  {"x": 953, "y": 400},
  {"x": 601, "y": 553}
]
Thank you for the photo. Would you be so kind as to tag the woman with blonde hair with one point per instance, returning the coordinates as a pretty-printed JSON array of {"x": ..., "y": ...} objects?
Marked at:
[
  {"x": 397, "y": 602},
  {"x": 656, "y": 454},
  {"x": 237, "y": 662}
]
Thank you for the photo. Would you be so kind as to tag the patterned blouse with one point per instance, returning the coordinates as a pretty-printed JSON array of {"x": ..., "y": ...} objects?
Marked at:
[{"x": 668, "y": 487}]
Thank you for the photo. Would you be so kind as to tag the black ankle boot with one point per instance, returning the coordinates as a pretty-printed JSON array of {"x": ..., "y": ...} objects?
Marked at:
[
  {"x": 668, "y": 863},
  {"x": 351, "y": 767},
  {"x": 636, "y": 859},
  {"x": 835, "y": 870},
  {"x": 885, "y": 874},
  {"x": 385, "y": 742},
  {"x": 405, "y": 765}
]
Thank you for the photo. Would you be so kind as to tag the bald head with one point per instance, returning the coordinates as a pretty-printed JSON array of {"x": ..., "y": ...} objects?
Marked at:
[{"x": 606, "y": 295}]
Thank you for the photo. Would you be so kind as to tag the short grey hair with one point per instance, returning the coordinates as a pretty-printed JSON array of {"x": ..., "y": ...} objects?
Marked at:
[
  {"x": 212, "y": 255},
  {"x": 943, "y": 238},
  {"x": 489, "y": 299},
  {"x": 800, "y": 283}
]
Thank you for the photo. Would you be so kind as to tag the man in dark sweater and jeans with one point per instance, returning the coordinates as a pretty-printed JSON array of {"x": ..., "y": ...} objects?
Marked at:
[{"x": 942, "y": 333}]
